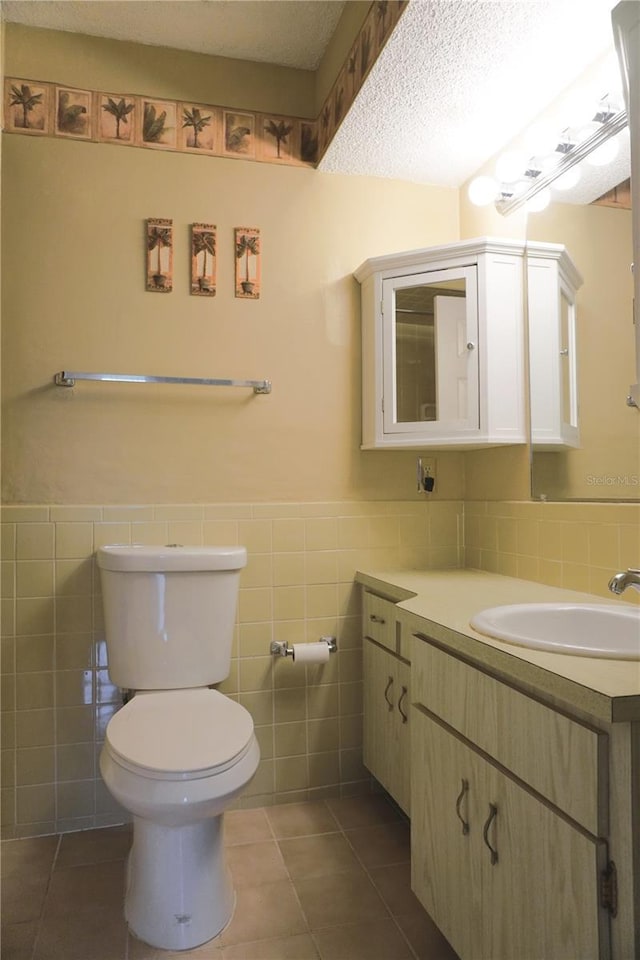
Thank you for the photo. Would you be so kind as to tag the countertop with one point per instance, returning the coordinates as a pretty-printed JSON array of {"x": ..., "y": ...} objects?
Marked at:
[{"x": 440, "y": 603}]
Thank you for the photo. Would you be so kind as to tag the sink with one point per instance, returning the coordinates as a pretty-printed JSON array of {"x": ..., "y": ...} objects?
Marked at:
[{"x": 580, "y": 629}]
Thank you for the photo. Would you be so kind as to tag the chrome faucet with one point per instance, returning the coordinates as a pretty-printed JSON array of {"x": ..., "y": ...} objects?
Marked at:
[{"x": 620, "y": 581}]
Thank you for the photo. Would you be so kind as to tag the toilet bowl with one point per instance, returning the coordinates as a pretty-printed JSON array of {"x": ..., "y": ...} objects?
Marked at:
[
  {"x": 178, "y": 753},
  {"x": 175, "y": 760}
]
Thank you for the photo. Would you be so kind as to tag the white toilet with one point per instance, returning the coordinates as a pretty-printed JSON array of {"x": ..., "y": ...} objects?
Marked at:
[{"x": 177, "y": 754}]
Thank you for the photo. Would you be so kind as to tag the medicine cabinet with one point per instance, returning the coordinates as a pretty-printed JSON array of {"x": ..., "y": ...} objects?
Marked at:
[{"x": 443, "y": 347}]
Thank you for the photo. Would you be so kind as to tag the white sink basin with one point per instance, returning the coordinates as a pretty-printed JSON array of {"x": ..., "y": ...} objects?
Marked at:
[{"x": 581, "y": 629}]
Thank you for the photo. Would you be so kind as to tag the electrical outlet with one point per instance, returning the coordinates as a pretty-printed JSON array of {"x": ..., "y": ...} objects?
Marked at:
[{"x": 426, "y": 474}]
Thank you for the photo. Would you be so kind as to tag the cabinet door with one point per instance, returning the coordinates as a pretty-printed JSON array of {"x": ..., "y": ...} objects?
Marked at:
[
  {"x": 386, "y": 721},
  {"x": 445, "y": 816},
  {"x": 430, "y": 357},
  {"x": 519, "y": 880},
  {"x": 541, "y": 895}
]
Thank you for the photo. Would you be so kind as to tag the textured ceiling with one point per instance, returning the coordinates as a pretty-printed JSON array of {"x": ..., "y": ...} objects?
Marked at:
[
  {"x": 457, "y": 80},
  {"x": 292, "y": 33}
]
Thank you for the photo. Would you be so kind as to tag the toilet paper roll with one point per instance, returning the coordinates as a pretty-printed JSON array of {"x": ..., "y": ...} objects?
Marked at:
[{"x": 310, "y": 652}]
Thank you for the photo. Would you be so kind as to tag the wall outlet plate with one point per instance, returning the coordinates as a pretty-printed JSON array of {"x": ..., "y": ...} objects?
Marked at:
[{"x": 426, "y": 474}]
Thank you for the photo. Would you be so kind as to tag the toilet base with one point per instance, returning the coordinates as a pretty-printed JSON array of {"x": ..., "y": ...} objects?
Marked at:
[{"x": 179, "y": 891}]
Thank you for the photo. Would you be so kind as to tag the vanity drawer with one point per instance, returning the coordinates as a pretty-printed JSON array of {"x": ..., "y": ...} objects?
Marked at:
[
  {"x": 563, "y": 759},
  {"x": 379, "y": 620}
]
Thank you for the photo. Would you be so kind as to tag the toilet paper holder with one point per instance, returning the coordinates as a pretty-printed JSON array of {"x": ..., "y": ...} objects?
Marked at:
[{"x": 284, "y": 650}]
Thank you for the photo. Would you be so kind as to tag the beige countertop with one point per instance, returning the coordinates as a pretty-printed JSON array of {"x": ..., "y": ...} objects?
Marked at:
[{"x": 440, "y": 603}]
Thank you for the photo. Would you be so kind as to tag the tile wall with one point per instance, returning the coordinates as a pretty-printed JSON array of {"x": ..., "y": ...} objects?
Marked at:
[
  {"x": 298, "y": 585},
  {"x": 573, "y": 545}
]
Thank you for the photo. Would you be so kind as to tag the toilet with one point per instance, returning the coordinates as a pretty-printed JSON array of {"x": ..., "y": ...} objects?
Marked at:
[{"x": 177, "y": 753}]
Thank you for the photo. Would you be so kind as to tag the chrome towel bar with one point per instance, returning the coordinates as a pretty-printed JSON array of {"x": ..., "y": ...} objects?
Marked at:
[{"x": 67, "y": 378}]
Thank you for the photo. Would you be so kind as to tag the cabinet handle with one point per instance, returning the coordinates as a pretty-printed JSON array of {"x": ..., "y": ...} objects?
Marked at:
[
  {"x": 461, "y": 795},
  {"x": 376, "y": 619},
  {"x": 402, "y": 713},
  {"x": 386, "y": 691},
  {"x": 493, "y": 813}
]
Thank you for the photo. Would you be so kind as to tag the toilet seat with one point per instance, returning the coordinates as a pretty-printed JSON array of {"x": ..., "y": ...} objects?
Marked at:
[{"x": 179, "y": 734}]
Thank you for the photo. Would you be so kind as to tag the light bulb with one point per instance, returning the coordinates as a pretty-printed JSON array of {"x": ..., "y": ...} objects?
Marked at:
[
  {"x": 604, "y": 154},
  {"x": 482, "y": 191},
  {"x": 539, "y": 201},
  {"x": 510, "y": 166},
  {"x": 568, "y": 179}
]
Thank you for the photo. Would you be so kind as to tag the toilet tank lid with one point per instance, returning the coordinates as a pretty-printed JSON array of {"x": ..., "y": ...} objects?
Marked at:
[{"x": 171, "y": 557}]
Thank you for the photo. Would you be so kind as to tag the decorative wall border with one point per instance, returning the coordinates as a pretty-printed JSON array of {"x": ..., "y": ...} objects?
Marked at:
[
  {"x": 43, "y": 108},
  {"x": 38, "y": 108}
]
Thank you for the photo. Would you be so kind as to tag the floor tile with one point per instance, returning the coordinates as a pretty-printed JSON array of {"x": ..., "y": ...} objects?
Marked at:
[
  {"x": 301, "y": 819},
  {"x": 33, "y": 856},
  {"x": 83, "y": 888},
  {"x": 264, "y": 912},
  {"x": 254, "y": 863},
  {"x": 393, "y": 883},
  {"x": 339, "y": 898},
  {"x": 90, "y": 935},
  {"x": 382, "y": 845},
  {"x": 425, "y": 938},
  {"x": 93, "y": 846},
  {"x": 367, "y": 811},
  {"x": 374, "y": 940},
  {"x": 300, "y": 947},
  {"x": 17, "y": 940},
  {"x": 318, "y": 855},
  {"x": 23, "y": 897},
  {"x": 246, "y": 826}
]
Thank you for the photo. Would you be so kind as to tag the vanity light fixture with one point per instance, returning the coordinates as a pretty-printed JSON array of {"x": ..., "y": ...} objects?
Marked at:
[{"x": 538, "y": 172}]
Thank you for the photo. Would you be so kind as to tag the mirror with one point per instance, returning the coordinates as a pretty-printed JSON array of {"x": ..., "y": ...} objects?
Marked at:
[
  {"x": 432, "y": 376},
  {"x": 604, "y": 464},
  {"x": 427, "y": 317}
]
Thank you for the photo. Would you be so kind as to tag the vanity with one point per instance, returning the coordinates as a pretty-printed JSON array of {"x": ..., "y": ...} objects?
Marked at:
[{"x": 519, "y": 769}]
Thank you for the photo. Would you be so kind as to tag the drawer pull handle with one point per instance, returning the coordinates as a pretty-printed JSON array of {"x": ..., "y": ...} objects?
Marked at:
[
  {"x": 376, "y": 619},
  {"x": 386, "y": 691},
  {"x": 493, "y": 812},
  {"x": 402, "y": 713},
  {"x": 461, "y": 796}
]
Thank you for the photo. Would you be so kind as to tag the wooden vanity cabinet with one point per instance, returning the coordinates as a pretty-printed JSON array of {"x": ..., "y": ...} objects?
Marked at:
[
  {"x": 502, "y": 869},
  {"x": 386, "y": 743}
]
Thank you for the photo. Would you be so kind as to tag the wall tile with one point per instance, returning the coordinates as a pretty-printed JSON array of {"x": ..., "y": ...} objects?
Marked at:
[{"x": 74, "y": 540}]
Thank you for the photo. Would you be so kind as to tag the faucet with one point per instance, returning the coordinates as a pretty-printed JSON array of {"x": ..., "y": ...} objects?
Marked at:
[{"x": 620, "y": 581}]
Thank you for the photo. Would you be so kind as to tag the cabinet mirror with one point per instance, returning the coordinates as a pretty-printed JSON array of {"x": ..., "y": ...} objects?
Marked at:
[{"x": 432, "y": 374}]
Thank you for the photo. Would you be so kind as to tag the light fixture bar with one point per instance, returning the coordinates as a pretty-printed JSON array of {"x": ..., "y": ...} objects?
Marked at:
[{"x": 507, "y": 204}]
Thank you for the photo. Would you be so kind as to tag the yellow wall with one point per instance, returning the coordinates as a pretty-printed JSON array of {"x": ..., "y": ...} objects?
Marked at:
[{"x": 75, "y": 299}]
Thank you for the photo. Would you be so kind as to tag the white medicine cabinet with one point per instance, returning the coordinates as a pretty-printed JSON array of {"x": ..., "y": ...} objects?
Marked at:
[{"x": 443, "y": 347}]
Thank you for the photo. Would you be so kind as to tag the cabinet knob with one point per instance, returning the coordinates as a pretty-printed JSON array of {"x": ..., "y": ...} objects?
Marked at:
[
  {"x": 376, "y": 619},
  {"x": 471, "y": 345}
]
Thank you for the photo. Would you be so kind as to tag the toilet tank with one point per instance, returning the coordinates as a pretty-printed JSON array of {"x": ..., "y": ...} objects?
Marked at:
[{"x": 169, "y": 613}]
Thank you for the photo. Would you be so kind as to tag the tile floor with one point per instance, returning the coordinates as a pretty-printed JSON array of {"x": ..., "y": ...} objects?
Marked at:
[{"x": 326, "y": 880}]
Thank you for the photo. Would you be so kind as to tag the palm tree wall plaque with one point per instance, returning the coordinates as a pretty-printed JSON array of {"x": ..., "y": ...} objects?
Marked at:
[
  {"x": 24, "y": 97},
  {"x": 159, "y": 238},
  {"x": 193, "y": 118},
  {"x": 203, "y": 241},
  {"x": 247, "y": 245},
  {"x": 152, "y": 125},
  {"x": 119, "y": 111},
  {"x": 279, "y": 130}
]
